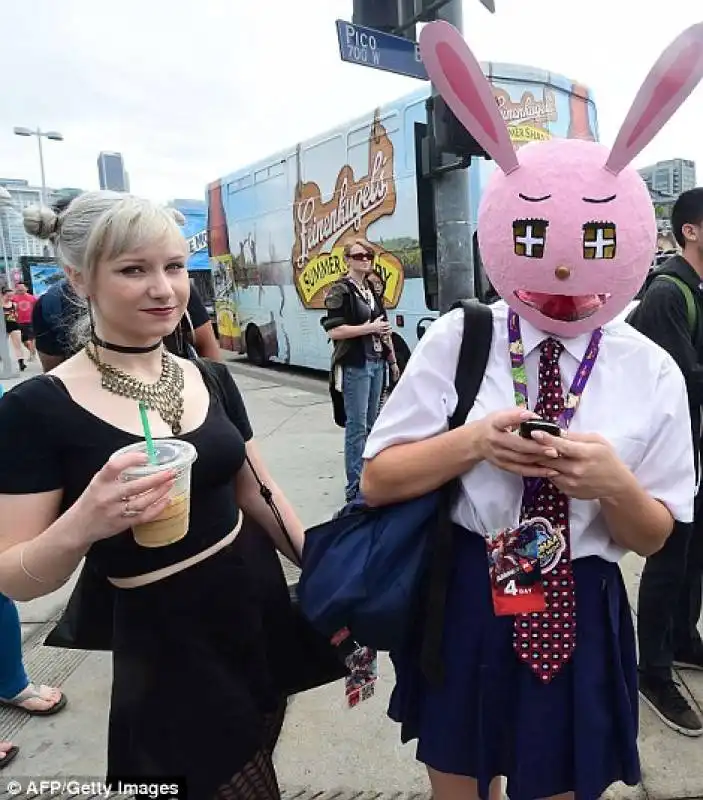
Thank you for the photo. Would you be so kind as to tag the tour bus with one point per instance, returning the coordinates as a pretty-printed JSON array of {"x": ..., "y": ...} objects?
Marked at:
[{"x": 277, "y": 228}]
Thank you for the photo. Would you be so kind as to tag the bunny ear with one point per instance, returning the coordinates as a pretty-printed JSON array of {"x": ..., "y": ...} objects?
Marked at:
[
  {"x": 459, "y": 79},
  {"x": 670, "y": 81}
]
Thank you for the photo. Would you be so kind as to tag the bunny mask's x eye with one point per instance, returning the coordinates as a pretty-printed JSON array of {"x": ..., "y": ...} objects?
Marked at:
[
  {"x": 599, "y": 240},
  {"x": 530, "y": 237}
]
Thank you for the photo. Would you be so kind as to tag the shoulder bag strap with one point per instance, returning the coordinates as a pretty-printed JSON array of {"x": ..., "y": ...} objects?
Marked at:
[
  {"x": 214, "y": 383},
  {"x": 688, "y": 297},
  {"x": 471, "y": 366}
]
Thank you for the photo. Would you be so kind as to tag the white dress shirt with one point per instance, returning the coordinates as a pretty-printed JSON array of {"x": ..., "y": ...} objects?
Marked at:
[{"x": 635, "y": 397}]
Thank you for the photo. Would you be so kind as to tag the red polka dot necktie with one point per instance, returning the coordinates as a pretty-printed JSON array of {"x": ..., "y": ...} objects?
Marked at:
[{"x": 545, "y": 640}]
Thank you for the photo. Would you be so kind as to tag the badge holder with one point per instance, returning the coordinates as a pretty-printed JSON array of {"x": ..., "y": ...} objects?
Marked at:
[{"x": 518, "y": 559}]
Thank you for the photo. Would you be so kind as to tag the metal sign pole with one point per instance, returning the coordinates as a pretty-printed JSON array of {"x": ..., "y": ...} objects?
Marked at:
[{"x": 455, "y": 255}]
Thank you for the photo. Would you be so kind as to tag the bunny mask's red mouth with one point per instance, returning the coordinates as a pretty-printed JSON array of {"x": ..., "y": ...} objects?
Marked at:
[{"x": 562, "y": 307}]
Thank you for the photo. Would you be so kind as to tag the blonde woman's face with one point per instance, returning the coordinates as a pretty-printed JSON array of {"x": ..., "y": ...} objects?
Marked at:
[
  {"x": 360, "y": 260},
  {"x": 141, "y": 296}
]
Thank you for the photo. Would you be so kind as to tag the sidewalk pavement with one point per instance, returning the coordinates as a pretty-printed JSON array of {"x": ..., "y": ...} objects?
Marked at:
[{"x": 325, "y": 748}]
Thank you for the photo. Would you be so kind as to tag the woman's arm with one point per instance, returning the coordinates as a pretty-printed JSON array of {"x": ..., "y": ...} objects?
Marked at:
[
  {"x": 635, "y": 520},
  {"x": 405, "y": 471},
  {"x": 38, "y": 551},
  {"x": 352, "y": 331},
  {"x": 206, "y": 344},
  {"x": 250, "y": 499},
  {"x": 588, "y": 468}
]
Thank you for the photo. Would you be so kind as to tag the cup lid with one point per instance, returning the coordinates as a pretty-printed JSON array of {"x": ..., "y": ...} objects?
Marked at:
[{"x": 170, "y": 453}]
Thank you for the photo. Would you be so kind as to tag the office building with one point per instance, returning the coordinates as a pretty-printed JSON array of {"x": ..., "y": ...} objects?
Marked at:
[
  {"x": 670, "y": 177},
  {"x": 111, "y": 172},
  {"x": 14, "y": 240}
]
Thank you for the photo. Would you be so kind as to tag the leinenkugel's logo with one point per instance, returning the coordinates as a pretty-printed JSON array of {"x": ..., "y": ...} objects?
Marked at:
[
  {"x": 528, "y": 119},
  {"x": 322, "y": 229}
]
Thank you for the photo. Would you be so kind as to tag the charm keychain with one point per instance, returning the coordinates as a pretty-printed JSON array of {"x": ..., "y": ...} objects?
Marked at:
[{"x": 362, "y": 663}]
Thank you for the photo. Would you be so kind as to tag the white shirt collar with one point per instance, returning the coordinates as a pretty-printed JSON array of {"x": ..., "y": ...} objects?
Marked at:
[{"x": 532, "y": 338}]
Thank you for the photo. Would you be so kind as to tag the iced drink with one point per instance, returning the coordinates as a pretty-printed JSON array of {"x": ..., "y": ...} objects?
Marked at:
[{"x": 172, "y": 524}]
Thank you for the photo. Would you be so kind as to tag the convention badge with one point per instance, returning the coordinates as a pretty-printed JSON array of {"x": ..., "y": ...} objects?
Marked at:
[
  {"x": 515, "y": 568},
  {"x": 377, "y": 345},
  {"x": 360, "y": 684}
]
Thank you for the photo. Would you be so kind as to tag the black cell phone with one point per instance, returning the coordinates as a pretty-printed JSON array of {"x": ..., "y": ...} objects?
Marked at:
[{"x": 530, "y": 425}]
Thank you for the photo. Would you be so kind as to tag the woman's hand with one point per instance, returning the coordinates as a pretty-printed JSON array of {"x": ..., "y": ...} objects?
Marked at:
[
  {"x": 501, "y": 445},
  {"x": 379, "y": 327},
  {"x": 588, "y": 468},
  {"x": 395, "y": 372},
  {"x": 109, "y": 505}
]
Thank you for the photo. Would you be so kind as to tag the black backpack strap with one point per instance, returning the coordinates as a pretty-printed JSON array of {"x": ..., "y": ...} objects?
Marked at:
[
  {"x": 473, "y": 357},
  {"x": 471, "y": 366}
]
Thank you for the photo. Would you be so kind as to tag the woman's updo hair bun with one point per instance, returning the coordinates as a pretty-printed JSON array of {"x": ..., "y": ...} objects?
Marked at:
[
  {"x": 40, "y": 221},
  {"x": 178, "y": 218}
]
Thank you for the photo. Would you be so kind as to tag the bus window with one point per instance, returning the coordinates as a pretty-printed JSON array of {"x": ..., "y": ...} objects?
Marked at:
[{"x": 318, "y": 158}]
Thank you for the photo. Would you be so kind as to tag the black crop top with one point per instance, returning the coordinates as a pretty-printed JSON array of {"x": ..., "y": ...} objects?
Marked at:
[{"x": 57, "y": 444}]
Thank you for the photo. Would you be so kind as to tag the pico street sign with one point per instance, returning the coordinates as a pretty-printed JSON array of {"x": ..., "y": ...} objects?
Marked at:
[{"x": 379, "y": 50}]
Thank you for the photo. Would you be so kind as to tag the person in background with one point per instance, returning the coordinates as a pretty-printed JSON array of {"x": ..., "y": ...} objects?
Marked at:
[
  {"x": 25, "y": 303},
  {"x": 669, "y": 604},
  {"x": 12, "y": 326},
  {"x": 57, "y": 309},
  {"x": 16, "y": 690},
  {"x": 8, "y": 751},
  {"x": 15, "y": 686},
  {"x": 355, "y": 323}
]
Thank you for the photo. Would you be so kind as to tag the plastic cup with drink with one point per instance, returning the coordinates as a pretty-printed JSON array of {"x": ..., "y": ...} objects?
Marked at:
[{"x": 163, "y": 454}]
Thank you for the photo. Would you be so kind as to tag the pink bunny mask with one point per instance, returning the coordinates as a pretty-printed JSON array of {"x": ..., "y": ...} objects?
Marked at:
[{"x": 566, "y": 229}]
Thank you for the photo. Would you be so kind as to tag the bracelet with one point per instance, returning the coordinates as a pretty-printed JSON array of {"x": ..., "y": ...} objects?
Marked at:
[{"x": 25, "y": 570}]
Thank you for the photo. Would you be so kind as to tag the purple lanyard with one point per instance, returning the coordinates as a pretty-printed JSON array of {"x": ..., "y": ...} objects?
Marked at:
[{"x": 572, "y": 399}]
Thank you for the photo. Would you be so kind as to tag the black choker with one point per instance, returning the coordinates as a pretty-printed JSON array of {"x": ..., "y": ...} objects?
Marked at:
[{"x": 120, "y": 348}]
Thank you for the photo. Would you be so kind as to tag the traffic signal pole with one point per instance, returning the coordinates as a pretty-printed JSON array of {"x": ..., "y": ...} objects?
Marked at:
[
  {"x": 447, "y": 149},
  {"x": 455, "y": 255}
]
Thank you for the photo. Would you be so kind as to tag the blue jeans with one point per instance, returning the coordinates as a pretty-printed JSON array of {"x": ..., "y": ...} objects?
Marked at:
[
  {"x": 13, "y": 678},
  {"x": 362, "y": 387}
]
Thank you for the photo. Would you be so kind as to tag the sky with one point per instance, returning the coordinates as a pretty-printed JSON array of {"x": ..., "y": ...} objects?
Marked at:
[{"x": 190, "y": 91}]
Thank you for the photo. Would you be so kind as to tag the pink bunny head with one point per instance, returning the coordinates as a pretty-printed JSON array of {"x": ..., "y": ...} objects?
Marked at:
[{"x": 566, "y": 230}]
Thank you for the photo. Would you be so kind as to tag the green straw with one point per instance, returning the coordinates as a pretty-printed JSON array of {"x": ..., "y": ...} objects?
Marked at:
[{"x": 151, "y": 452}]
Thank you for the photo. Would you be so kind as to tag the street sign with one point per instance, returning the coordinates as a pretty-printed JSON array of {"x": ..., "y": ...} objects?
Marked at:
[{"x": 379, "y": 50}]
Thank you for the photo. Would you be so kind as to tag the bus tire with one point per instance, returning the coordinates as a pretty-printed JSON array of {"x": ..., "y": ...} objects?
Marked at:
[
  {"x": 256, "y": 348},
  {"x": 402, "y": 351}
]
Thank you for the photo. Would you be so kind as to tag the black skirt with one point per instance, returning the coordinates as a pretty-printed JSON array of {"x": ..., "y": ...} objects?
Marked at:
[{"x": 195, "y": 691}]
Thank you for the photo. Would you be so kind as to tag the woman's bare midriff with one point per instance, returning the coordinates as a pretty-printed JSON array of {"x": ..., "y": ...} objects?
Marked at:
[{"x": 136, "y": 581}]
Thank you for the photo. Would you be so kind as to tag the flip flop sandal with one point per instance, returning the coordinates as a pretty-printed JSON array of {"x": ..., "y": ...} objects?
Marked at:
[
  {"x": 9, "y": 756},
  {"x": 30, "y": 693}
]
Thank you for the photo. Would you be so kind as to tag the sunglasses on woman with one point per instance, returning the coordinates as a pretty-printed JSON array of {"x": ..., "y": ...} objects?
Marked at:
[{"x": 361, "y": 257}]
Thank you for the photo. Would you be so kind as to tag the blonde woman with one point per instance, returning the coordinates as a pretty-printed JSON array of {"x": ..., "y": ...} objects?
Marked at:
[
  {"x": 355, "y": 323},
  {"x": 196, "y": 622}
]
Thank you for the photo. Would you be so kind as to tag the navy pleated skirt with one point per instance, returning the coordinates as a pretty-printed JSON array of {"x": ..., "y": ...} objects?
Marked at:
[{"x": 492, "y": 716}]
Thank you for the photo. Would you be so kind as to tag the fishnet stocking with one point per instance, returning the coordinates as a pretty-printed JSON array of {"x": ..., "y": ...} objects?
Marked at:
[{"x": 257, "y": 779}]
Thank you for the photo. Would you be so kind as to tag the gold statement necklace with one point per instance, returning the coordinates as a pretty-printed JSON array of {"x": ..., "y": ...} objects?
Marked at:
[{"x": 164, "y": 396}]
